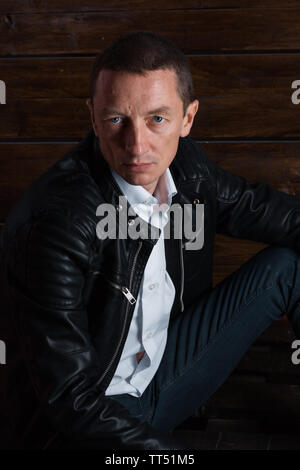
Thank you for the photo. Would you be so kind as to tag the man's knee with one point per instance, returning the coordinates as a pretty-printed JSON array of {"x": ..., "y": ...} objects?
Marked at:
[{"x": 277, "y": 259}]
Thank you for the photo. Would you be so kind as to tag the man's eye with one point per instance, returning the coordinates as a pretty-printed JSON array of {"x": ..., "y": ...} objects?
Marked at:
[
  {"x": 158, "y": 119},
  {"x": 115, "y": 120}
]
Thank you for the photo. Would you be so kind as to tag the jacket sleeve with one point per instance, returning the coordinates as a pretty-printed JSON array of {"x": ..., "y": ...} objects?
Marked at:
[
  {"x": 255, "y": 211},
  {"x": 47, "y": 283}
]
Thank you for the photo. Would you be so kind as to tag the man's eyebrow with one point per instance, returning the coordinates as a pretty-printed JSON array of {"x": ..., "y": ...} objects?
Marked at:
[
  {"x": 110, "y": 111},
  {"x": 161, "y": 110}
]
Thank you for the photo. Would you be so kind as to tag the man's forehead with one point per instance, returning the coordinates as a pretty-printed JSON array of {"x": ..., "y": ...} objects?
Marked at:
[
  {"x": 153, "y": 91},
  {"x": 114, "y": 81}
]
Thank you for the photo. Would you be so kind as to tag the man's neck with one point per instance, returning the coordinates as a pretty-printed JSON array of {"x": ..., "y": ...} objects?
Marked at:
[{"x": 151, "y": 187}]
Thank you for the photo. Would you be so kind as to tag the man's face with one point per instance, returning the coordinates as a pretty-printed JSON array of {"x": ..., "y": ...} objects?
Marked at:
[{"x": 139, "y": 119}]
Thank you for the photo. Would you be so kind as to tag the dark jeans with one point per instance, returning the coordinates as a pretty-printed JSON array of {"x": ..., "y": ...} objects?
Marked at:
[{"x": 207, "y": 341}]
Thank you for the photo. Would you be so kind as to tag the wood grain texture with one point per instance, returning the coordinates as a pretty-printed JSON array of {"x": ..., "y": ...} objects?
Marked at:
[
  {"x": 21, "y": 164},
  {"x": 257, "y": 397},
  {"x": 37, "y": 6},
  {"x": 273, "y": 362},
  {"x": 279, "y": 333},
  {"x": 192, "y": 30},
  {"x": 240, "y": 97},
  {"x": 244, "y": 94},
  {"x": 231, "y": 252},
  {"x": 249, "y": 4},
  {"x": 273, "y": 163},
  {"x": 45, "y": 119}
]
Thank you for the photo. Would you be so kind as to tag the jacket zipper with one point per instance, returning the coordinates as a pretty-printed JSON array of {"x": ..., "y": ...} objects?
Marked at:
[
  {"x": 131, "y": 301},
  {"x": 125, "y": 291},
  {"x": 182, "y": 275}
]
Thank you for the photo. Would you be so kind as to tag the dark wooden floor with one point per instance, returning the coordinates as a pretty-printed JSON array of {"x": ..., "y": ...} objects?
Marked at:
[
  {"x": 258, "y": 407},
  {"x": 239, "y": 440}
]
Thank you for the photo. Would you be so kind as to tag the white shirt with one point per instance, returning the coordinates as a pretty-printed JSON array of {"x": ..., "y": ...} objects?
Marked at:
[{"x": 149, "y": 324}]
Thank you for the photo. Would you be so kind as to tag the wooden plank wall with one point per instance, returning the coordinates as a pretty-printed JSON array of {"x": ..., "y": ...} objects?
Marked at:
[{"x": 244, "y": 56}]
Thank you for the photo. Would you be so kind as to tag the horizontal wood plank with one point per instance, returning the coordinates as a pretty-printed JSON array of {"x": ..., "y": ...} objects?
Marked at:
[
  {"x": 240, "y": 97},
  {"x": 44, "y": 119},
  {"x": 34, "y": 78},
  {"x": 276, "y": 163},
  {"x": 249, "y": 3},
  {"x": 273, "y": 163},
  {"x": 20, "y": 165},
  {"x": 231, "y": 252},
  {"x": 240, "y": 434},
  {"x": 47, "y": 6},
  {"x": 273, "y": 362},
  {"x": 37, "y": 6},
  {"x": 280, "y": 332},
  {"x": 255, "y": 397},
  {"x": 69, "y": 118},
  {"x": 208, "y": 30}
]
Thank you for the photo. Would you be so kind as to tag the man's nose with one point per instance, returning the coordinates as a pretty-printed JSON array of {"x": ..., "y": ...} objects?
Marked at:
[{"x": 136, "y": 140}]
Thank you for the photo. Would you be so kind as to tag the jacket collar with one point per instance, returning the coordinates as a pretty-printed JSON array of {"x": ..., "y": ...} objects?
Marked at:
[{"x": 136, "y": 195}]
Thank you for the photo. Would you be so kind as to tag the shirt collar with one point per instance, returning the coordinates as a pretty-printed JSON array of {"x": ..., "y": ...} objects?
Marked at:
[{"x": 135, "y": 194}]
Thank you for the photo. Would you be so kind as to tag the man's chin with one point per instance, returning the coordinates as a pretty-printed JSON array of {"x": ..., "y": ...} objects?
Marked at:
[
  {"x": 147, "y": 182},
  {"x": 139, "y": 180}
]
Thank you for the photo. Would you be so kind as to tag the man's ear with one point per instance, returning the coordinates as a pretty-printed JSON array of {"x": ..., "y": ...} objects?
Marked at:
[
  {"x": 91, "y": 109},
  {"x": 188, "y": 119}
]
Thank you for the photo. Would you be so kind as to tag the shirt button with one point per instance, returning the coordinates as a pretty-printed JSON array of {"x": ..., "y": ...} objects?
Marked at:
[{"x": 152, "y": 286}]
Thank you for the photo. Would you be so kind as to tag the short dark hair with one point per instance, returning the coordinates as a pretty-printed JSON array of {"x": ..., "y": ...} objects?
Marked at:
[{"x": 141, "y": 52}]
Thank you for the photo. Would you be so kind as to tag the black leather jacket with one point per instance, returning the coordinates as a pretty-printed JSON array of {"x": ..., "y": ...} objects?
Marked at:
[{"x": 67, "y": 317}]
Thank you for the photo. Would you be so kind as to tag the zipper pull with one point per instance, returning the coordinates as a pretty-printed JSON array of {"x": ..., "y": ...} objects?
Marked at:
[{"x": 128, "y": 295}]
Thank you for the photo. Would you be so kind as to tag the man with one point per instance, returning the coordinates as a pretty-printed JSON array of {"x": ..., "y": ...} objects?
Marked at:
[{"x": 116, "y": 339}]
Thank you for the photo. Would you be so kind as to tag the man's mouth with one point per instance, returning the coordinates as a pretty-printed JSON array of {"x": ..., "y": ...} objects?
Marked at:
[{"x": 138, "y": 166}]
